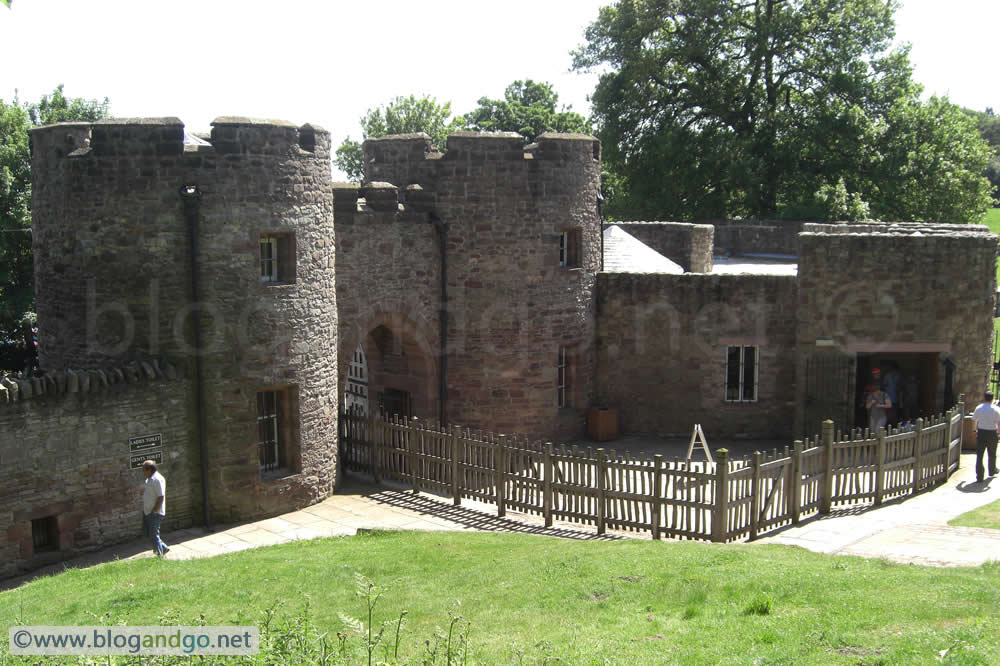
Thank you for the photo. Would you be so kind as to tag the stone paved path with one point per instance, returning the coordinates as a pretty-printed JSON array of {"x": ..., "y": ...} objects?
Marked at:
[{"x": 914, "y": 531}]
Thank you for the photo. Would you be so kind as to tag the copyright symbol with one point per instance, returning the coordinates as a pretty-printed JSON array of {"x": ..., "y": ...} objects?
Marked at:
[{"x": 22, "y": 639}]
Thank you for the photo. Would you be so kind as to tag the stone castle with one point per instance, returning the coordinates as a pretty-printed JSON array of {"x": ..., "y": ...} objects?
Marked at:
[{"x": 213, "y": 302}]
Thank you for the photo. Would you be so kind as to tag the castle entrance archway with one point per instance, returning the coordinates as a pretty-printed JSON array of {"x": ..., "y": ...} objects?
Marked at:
[{"x": 392, "y": 370}]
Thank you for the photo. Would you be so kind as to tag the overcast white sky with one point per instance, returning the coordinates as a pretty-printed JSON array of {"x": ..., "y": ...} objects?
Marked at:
[{"x": 327, "y": 61}]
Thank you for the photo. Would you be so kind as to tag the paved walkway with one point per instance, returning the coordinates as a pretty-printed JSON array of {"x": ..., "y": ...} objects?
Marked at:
[
  {"x": 914, "y": 530},
  {"x": 911, "y": 531}
]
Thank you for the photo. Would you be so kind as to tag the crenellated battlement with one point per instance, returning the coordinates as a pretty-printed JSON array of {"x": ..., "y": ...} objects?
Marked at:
[
  {"x": 164, "y": 137},
  {"x": 481, "y": 147}
]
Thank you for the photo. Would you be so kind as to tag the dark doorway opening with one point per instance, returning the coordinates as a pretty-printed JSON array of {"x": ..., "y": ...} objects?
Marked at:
[{"x": 910, "y": 379}]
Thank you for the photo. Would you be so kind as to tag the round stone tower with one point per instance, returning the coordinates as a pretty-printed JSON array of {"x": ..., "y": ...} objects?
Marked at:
[{"x": 217, "y": 256}]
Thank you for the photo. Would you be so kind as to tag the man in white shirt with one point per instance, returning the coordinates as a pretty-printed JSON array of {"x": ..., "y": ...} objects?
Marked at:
[
  {"x": 154, "y": 505},
  {"x": 987, "y": 416}
]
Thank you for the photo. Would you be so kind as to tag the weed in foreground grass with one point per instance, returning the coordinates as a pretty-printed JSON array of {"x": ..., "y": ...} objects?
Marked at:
[{"x": 759, "y": 605}]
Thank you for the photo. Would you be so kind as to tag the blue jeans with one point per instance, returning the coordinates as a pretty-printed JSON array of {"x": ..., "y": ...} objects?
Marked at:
[{"x": 151, "y": 528}]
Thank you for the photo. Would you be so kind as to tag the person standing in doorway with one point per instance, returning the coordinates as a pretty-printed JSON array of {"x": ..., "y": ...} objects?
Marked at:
[
  {"x": 877, "y": 403},
  {"x": 154, "y": 506},
  {"x": 987, "y": 416}
]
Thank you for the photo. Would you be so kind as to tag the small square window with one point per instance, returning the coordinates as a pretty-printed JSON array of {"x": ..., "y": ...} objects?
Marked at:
[
  {"x": 741, "y": 373},
  {"x": 44, "y": 534},
  {"x": 570, "y": 248},
  {"x": 276, "y": 431},
  {"x": 277, "y": 258}
]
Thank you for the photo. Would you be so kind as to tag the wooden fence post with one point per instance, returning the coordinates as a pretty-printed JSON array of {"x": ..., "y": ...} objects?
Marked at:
[
  {"x": 600, "y": 491},
  {"x": 880, "y": 467},
  {"x": 795, "y": 487},
  {"x": 656, "y": 505},
  {"x": 755, "y": 496},
  {"x": 547, "y": 486},
  {"x": 410, "y": 429},
  {"x": 826, "y": 496},
  {"x": 374, "y": 444},
  {"x": 500, "y": 462},
  {"x": 918, "y": 445},
  {"x": 457, "y": 448},
  {"x": 961, "y": 430},
  {"x": 720, "y": 512}
]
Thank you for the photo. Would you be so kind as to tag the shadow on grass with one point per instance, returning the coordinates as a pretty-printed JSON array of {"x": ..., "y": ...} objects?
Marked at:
[{"x": 472, "y": 519}]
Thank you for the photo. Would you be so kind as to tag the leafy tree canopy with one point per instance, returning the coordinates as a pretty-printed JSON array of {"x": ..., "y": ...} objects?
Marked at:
[
  {"x": 17, "y": 291},
  {"x": 731, "y": 108},
  {"x": 529, "y": 108},
  {"x": 988, "y": 124},
  {"x": 403, "y": 115}
]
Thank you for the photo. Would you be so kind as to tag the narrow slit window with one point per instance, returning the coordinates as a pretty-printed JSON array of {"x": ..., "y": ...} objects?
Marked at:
[{"x": 563, "y": 378}]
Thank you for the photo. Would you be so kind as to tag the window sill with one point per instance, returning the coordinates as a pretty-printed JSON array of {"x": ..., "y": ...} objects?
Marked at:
[
  {"x": 277, "y": 283},
  {"x": 280, "y": 474}
]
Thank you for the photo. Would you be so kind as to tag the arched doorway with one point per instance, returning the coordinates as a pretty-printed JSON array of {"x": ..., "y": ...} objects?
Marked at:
[{"x": 392, "y": 371}]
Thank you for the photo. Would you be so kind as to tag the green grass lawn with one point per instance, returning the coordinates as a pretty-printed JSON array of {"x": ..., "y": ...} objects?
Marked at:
[
  {"x": 628, "y": 602},
  {"x": 993, "y": 220},
  {"x": 985, "y": 516}
]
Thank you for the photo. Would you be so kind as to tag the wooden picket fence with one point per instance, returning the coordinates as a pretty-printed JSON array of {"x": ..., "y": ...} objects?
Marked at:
[{"x": 722, "y": 501}]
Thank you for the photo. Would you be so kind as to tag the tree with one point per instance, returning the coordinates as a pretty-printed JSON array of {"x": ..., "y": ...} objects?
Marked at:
[
  {"x": 403, "y": 115},
  {"x": 17, "y": 288},
  {"x": 725, "y": 108},
  {"x": 528, "y": 108},
  {"x": 988, "y": 124},
  {"x": 930, "y": 165}
]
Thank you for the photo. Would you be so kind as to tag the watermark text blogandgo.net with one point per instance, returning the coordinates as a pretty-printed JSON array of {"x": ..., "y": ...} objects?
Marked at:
[{"x": 103, "y": 640}]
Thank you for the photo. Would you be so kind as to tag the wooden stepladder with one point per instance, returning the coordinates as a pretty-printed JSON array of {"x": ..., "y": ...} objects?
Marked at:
[{"x": 698, "y": 435}]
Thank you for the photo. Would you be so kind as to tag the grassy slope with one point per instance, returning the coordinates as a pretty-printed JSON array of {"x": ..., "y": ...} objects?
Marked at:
[
  {"x": 985, "y": 516},
  {"x": 628, "y": 602}
]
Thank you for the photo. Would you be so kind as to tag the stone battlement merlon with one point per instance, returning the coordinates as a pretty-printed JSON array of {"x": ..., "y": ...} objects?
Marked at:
[
  {"x": 380, "y": 197},
  {"x": 511, "y": 146},
  {"x": 155, "y": 137}
]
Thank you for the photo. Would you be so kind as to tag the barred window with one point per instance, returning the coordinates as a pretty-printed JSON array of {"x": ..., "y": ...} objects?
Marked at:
[
  {"x": 269, "y": 444},
  {"x": 741, "y": 373}
]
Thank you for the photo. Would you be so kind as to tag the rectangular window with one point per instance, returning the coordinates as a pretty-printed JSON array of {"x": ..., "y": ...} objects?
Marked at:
[
  {"x": 563, "y": 378},
  {"x": 268, "y": 259},
  {"x": 44, "y": 534},
  {"x": 277, "y": 258},
  {"x": 741, "y": 373},
  {"x": 570, "y": 248},
  {"x": 269, "y": 444}
]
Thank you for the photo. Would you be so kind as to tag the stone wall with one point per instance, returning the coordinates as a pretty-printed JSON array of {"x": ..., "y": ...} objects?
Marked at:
[
  {"x": 689, "y": 245},
  {"x": 65, "y": 457},
  {"x": 738, "y": 237},
  {"x": 661, "y": 352},
  {"x": 113, "y": 276},
  {"x": 511, "y": 305},
  {"x": 389, "y": 275},
  {"x": 900, "y": 289}
]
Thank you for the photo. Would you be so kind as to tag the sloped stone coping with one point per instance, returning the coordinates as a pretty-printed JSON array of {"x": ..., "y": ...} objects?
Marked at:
[{"x": 84, "y": 380}]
